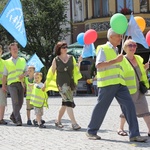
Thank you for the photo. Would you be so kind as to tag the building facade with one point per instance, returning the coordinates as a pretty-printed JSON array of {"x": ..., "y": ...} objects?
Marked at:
[{"x": 96, "y": 14}]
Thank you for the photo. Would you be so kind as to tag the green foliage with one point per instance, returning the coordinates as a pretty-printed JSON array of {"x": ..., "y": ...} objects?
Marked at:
[
  {"x": 43, "y": 20},
  {"x": 5, "y": 37}
]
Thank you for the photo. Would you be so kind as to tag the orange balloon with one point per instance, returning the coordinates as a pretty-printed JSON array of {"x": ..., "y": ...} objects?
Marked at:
[{"x": 141, "y": 22}]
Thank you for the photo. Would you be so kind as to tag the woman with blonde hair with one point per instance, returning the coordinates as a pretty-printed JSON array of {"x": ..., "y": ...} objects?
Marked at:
[{"x": 135, "y": 71}]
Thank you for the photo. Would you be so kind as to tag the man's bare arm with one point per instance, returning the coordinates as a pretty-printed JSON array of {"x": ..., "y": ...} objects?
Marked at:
[
  {"x": 106, "y": 64},
  {"x": 4, "y": 81}
]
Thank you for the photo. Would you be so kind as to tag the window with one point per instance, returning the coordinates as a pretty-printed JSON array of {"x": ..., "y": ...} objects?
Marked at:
[
  {"x": 86, "y": 9},
  {"x": 143, "y": 6},
  {"x": 100, "y": 8},
  {"x": 125, "y": 6}
]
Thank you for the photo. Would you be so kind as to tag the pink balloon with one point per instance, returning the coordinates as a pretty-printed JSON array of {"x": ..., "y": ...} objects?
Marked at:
[
  {"x": 148, "y": 38},
  {"x": 90, "y": 36}
]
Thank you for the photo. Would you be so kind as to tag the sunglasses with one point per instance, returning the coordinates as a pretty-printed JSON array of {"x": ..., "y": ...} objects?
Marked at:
[
  {"x": 132, "y": 45},
  {"x": 64, "y": 47}
]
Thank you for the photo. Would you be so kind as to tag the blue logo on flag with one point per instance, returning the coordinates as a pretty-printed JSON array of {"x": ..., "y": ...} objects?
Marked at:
[
  {"x": 13, "y": 21},
  {"x": 36, "y": 62}
]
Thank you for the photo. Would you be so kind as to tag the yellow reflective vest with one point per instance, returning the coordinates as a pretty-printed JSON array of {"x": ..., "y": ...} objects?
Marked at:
[
  {"x": 129, "y": 74},
  {"x": 29, "y": 86},
  {"x": 1, "y": 69},
  {"x": 38, "y": 98},
  {"x": 110, "y": 75},
  {"x": 14, "y": 70},
  {"x": 51, "y": 78}
]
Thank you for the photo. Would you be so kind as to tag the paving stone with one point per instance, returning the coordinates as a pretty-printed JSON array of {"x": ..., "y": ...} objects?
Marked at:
[{"x": 52, "y": 138}]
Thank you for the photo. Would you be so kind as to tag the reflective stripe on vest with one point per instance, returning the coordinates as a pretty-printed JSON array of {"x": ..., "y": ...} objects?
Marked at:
[
  {"x": 14, "y": 70},
  {"x": 38, "y": 98},
  {"x": 1, "y": 76},
  {"x": 110, "y": 77},
  {"x": 129, "y": 75},
  {"x": 19, "y": 71},
  {"x": 110, "y": 67},
  {"x": 1, "y": 69},
  {"x": 28, "y": 88},
  {"x": 131, "y": 84},
  {"x": 113, "y": 74},
  {"x": 144, "y": 78}
]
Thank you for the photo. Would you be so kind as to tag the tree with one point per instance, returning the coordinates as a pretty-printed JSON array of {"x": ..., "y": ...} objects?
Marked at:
[{"x": 43, "y": 23}]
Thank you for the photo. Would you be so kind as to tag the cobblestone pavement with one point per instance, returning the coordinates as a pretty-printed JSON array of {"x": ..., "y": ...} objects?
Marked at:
[{"x": 32, "y": 138}]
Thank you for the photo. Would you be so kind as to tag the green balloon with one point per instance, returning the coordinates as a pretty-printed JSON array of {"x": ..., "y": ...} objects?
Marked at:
[{"x": 119, "y": 23}]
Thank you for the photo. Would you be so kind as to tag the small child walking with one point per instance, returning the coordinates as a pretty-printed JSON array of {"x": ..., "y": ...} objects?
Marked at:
[
  {"x": 39, "y": 99},
  {"x": 29, "y": 85}
]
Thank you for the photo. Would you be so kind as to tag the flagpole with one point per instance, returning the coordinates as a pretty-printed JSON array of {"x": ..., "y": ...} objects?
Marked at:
[{"x": 123, "y": 39}]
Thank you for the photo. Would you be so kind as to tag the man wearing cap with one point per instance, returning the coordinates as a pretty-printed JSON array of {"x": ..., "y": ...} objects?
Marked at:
[{"x": 111, "y": 83}]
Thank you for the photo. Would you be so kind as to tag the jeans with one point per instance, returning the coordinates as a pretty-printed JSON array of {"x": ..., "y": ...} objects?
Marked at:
[
  {"x": 105, "y": 97},
  {"x": 95, "y": 90}
]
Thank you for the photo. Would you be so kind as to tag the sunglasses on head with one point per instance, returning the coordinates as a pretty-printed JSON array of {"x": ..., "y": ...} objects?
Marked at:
[
  {"x": 64, "y": 47},
  {"x": 132, "y": 45}
]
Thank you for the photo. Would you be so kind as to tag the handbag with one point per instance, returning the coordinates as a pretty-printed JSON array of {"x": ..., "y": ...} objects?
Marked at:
[{"x": 143, "y": 89}]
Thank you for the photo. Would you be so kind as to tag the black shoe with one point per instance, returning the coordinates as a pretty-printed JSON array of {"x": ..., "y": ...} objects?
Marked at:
[
  {"x": 138, "y": 139},
  {"x": 29, "y": 122},
  {"x": 12, "y": 118},
  {"x": 93, "y": 136},
  {"x": 19, "y": 123},
  {"x": 42, "y": 126},
  {"x": 36, "y": 124},
  {"x": 3, "y": 122},
  {"x": 42, "y": 121}
]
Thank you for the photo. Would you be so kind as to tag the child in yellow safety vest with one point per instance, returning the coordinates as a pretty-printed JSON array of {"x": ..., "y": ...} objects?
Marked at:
[
  {"x": 29, "y": 85},
  {"x": 38, "y": 99}
]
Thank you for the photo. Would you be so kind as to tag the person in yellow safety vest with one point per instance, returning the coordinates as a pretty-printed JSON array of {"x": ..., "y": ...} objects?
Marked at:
[
  {"x": 111, "y": 83},
  {"x": 3, "y": 100},
  {"x": 29, "y": 85},
  {"x": 63, "y": 75},
  {"x": 38, "y": 98},
  {"x": 14, "y": 72},
  {"x": 132, "y": 82}
]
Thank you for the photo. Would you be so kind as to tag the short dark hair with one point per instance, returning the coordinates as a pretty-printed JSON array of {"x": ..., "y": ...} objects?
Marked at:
[
  {"x": 12, "y": 44},
  {"x": 58, "y": 47}
]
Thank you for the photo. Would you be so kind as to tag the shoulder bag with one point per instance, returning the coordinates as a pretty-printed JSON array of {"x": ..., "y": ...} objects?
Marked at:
[{"x": 143, "y": 89}]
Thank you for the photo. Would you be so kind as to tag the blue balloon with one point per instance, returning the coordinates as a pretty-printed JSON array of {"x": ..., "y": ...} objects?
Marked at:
[{"x": 80, "y": 38}]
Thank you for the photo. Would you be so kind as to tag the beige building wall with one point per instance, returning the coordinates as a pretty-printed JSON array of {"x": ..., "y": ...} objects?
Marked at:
[
  {"x": 136, "y": 6},
  {"x": 112, "y": 6},
  {"x": 90, "y": 9}
]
